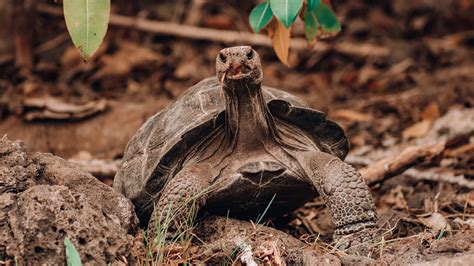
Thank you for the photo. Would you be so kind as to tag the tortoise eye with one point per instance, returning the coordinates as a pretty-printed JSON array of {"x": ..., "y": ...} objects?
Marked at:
[
  {"x": 250, "y": 54},
  {"x": 222, "y": 57}
]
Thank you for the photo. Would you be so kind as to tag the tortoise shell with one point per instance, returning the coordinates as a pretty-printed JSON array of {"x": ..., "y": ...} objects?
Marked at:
[{"x": 152, "y": 155}]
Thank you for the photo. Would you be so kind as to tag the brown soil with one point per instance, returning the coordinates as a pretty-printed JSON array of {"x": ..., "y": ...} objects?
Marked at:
[{"x": 385, "y": 104}]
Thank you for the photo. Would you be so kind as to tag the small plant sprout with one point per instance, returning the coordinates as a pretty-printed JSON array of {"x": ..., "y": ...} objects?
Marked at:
[{"x": 72, "y": 256}]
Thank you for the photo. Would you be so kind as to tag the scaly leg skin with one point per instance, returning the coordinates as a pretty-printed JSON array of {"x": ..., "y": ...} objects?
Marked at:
[
  {"x": 347, "y": 197},
  {"x": 180, "y": 201}
]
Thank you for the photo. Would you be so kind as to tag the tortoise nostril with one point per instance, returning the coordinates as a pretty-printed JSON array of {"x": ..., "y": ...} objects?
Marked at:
[{"x": 236, "y": 65}]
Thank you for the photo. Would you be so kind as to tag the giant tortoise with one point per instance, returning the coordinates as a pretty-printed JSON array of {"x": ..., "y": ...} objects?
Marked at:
[{"x": 236, "y": 147}]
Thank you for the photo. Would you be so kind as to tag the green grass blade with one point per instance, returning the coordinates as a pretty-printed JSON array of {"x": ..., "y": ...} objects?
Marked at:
[{"x": 260, "y": 217}]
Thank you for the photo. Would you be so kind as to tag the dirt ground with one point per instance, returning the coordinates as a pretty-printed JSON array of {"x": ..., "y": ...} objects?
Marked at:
[{"x": 399, "y": 78}]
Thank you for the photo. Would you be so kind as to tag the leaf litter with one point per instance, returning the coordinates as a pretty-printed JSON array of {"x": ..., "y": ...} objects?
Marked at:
[{"x": 420, "y": 93}]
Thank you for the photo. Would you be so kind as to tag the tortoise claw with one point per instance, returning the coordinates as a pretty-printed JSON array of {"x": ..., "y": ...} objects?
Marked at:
[{"x": 358, "y": 243}]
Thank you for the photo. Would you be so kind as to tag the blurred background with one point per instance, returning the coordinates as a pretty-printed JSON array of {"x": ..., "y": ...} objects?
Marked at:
[{"x": 400, "y": 72}]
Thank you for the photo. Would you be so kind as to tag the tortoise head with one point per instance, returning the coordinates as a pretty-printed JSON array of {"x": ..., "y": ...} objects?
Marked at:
[{"x": 239, "y": 63}]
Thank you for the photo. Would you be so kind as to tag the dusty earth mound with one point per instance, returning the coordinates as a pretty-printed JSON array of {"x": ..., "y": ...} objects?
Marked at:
[
  {"x": 45, "y": 199},
  {"x": 226, "y": 239}
]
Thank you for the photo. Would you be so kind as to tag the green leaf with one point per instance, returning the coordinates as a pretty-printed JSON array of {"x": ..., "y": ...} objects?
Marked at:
[
  {"x": 310, "y": 25},
  {"x": 312, "y": 5},
  {"x": 327, "y": 19},
  {"x": 260, "y": 16},
  {"x": 72, "y": 256},
  {"x": 286, "y": 10},
  {"x": 87, "y": 21}
]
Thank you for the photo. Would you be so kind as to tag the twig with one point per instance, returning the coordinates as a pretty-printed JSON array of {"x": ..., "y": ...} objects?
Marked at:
[
  {"x": 53, "y": 43},
  {"x": 389, "y": 167},
  {"x": 99, "y": 168},
  {"x": 229, "y": 37},
  {"x": 42, "y": 48},
  {"x": 306, "y": 224},
  {"x": 194, "y": 12},
  {"x": 432, "y": 175},
  {"x": 6, "y": 58},
  {"x": 392, "y": 166},
  {"x": 358, "y": 160}
]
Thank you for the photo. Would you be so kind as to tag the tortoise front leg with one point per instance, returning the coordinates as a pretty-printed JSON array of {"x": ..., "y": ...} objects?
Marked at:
[
  {"x": 180, "y": 201},
  {"x": 345, "y": 192}
]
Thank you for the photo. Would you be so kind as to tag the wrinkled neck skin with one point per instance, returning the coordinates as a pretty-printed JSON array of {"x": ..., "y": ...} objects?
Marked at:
[{"x": 248, "y": 121}]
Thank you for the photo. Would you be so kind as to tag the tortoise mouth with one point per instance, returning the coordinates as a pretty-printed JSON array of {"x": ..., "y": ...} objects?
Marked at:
[
  {"x": 240, "y": 73},
  {"x": 238, "y": 76}
]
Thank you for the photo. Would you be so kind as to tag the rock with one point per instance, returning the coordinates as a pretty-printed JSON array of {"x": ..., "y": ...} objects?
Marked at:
[
  {"x": 311, "y": 258},
  {"x": 466, "y": 259},
  {"x": 356, "y": 260},
  {"x": 58, "y": 171},
  {"x": 44, "y": 199},
  {"x": 42, "y": 216}
]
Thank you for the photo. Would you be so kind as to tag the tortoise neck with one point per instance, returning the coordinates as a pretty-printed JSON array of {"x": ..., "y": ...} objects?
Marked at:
[{"x": 248, "y": 120}]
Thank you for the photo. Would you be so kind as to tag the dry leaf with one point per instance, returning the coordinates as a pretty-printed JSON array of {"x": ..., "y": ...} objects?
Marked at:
[
  {"x": 280, "y": 40},
  {"x": 128, "y": 57},
  {"x": 469, "y": 222},
  {"x": 70, "y": 58},
  {"x": 56, "y": 109},
  {"x": 431, "y": 111},
  {"x": 466, "y": 198},
  {"x": 396, "y": 199},
  {"x": 366, "y": 73},
  {"x": 461, "y": 150},
  {"x": 435, "y": 221},
  {"x": 351, "y": 116},
  {"x": 417, "y": 130},
  {"x": 428, "y": 204},
  {"x": 278, "y": 260},
  {"x": 270, "y": 252},
  {"x": 470, "y": 199}
]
